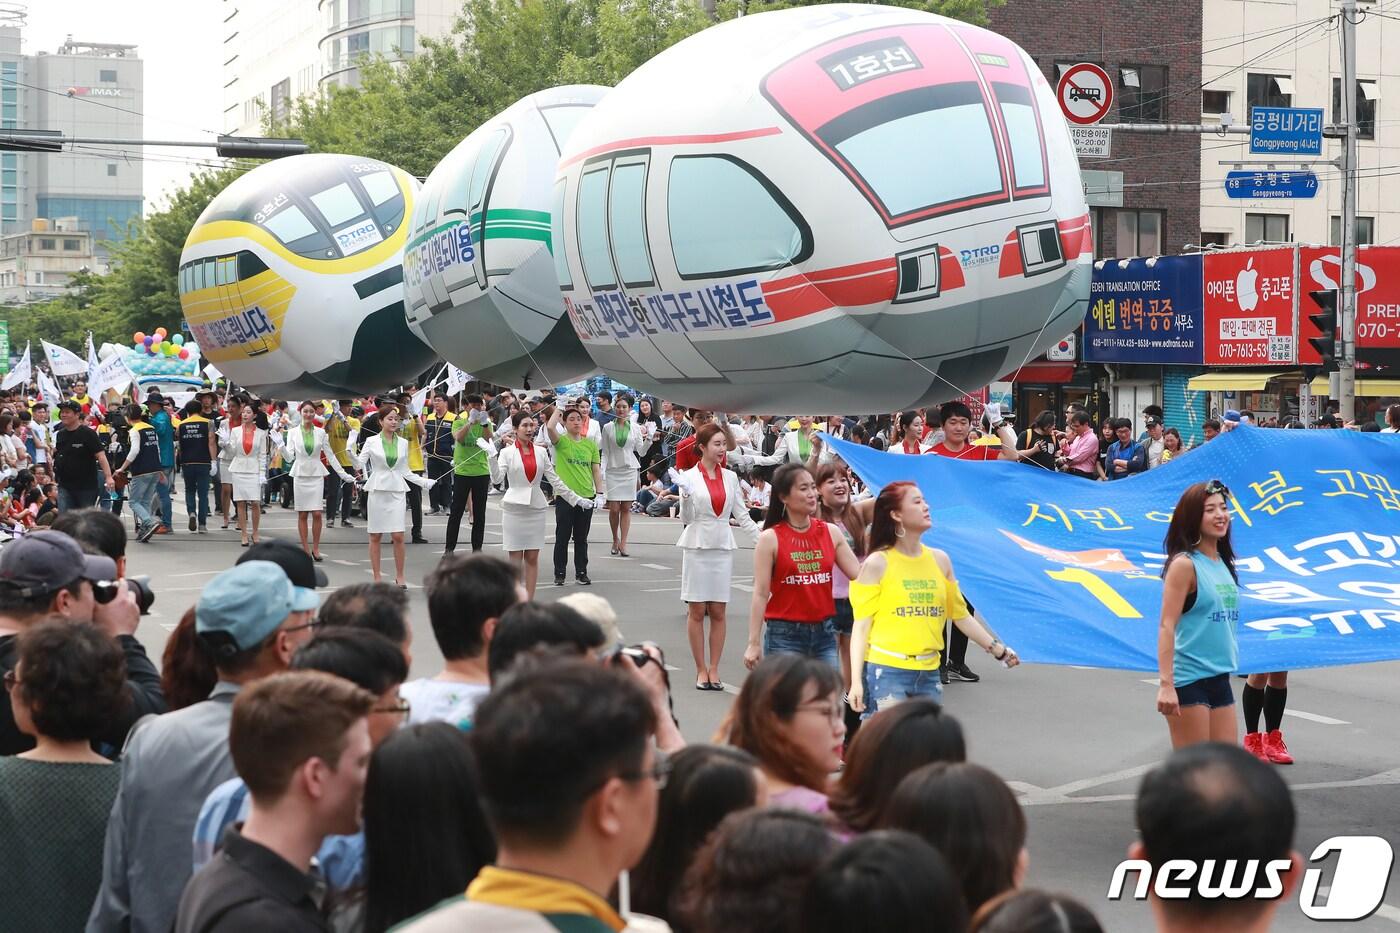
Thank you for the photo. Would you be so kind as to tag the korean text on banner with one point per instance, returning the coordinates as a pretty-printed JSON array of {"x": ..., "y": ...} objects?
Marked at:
[
  {"x": 1069, "y": 571},
  {"x": 1145, "y": 313},
  {"x": 1249, "y": 308}
]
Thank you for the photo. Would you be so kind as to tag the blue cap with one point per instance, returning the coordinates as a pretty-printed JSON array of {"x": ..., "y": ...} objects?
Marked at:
[
  {"x": 249, "y": 601},
  {"x": 1232, "y": 415}
]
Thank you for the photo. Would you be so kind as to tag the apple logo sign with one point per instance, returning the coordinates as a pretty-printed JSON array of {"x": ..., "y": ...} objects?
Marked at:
[{"x": 1245, "y": 290}]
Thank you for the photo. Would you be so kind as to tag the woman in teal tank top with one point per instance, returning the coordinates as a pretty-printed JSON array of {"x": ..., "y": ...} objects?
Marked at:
[{"x": 1196, "y": 651}]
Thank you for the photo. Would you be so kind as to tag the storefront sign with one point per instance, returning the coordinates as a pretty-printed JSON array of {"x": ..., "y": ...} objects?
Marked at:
[
  {"x": 1148, "y": 312},
  {"x": 1249, "y": 308},
  {"x": 1377, "y": 295}
]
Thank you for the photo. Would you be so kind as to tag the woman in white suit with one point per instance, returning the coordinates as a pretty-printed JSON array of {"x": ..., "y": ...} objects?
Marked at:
[
  {"x": 246, "y": 446},
  {"x": 303, "y": 449},
  {"x": 710, "y": 497},
  {"x": 623, "y": 442},
  {"x": 524, "y": 462},
  {"x": 386, "y": 455}
]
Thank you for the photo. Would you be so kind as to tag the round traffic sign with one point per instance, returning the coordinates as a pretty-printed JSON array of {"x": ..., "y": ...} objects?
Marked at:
[{"x": 1085, "y": 93}]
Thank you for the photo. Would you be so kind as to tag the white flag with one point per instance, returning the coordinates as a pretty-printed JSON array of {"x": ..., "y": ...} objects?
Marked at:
[
  {"x": 420, "y": 398},
  {"x": 213, "y": 373},
  {"x": 92, "y": 362},
  {"x": 63, "y": 362},
  {"x": 111, "y": 373},
  {"x": 456, "y": 380},
  {"x": 48, "y": 390},
  {"x": 19, "y": 376}
]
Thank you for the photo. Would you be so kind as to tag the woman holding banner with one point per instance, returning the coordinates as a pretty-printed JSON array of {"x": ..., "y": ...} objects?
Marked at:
[{"x": 1196, "y": 650}]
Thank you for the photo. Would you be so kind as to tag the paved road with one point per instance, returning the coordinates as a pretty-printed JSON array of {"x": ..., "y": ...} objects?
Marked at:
[{"x": 1072, "y": 742}]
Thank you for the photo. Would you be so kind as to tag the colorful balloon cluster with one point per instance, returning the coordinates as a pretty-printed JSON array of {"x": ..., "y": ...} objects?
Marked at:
[{"x": 158, "y": 344}]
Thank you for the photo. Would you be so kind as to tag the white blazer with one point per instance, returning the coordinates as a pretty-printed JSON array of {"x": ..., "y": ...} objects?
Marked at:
[
  {"x": 506, "y": 464},
  {"x": 305, "y": 464},
  {"x": 382, "y": 477},
  {"x": 626, "y": 456},
  {"x": 231, "y": 442},
  {"x": 785, "y": 452},
  {"x": 703, "y": 528}
]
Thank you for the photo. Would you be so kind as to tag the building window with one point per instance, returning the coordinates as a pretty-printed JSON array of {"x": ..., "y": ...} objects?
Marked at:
[
  {"x": 107, "y": 75},
  {"x": 1366, "y": 95},
  {"x": 72, "y": 246},
  {"x": 111, "y": 170},
  {"x": 1139, "y": 233},
  {"x": 1215, "y": 102},
  {"x": 1142, "y": 90},
  {"x": 1270, "y": 228},
  {"x": 1268, "y": 91},
  {"x": 48, "y": 244},
  {"x": 1210, "y": 238},
  {"x": 1365, "y": 231}
]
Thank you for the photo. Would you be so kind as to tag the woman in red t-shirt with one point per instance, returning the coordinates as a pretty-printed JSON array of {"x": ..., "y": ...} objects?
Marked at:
[{"x": 793, "y": 610}]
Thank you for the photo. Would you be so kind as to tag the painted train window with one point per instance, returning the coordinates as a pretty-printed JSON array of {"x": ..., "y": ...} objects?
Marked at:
[
  {"x": 593, "y": 229},
  {"x": 556, "y": 238},
  {"x": 627, "y": 223},
  {"x": 725, "y": 218}
]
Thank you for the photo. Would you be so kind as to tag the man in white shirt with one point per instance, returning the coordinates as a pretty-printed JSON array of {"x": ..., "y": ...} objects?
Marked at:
[{"x": 1155, "y": 443}]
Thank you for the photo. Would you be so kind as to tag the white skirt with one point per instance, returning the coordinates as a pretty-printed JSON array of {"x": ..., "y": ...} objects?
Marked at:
[
  {"x": 309, "y": 493},
  {"x": 522, "y": 527},
  {"x": 246, "y": 487},
  {"x": 620, "y": 485},
  {"x": 386, "y": 511},
  {"x": 705, "y": 575}
]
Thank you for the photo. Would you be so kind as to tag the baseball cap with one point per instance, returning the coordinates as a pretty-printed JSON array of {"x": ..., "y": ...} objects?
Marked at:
[
  {"x": 248, "y": 602},
  {"x": 46, "y": 561},
  {"x": 70, "y": 405},
  {"x": 1152, "y": 422},
  {"x": 1231, "y": 415},
  {"x": 295, "y": 562}
]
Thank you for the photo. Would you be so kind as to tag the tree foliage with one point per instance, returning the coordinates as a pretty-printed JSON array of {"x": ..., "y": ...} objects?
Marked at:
[{"x": 410, "y": 115}]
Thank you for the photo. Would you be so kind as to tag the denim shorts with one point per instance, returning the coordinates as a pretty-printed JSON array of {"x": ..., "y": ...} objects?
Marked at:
[
  {"x": 811, "y": 639},
  {"x": 845, "y": 618},
  {"x": 886, "y": 686},
  {"x": 1214, "y": 692}
]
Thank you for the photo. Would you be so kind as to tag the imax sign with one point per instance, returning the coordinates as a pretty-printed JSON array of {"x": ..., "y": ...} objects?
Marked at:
[{"x": 94, "y": 92}]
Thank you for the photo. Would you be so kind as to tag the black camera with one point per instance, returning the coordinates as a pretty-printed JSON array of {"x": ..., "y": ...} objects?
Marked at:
[{"x": 141, "y": 589}]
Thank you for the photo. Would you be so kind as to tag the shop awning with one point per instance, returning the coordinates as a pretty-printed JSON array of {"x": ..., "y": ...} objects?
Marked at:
[
  {"x": 1231, "y": 382},
  {"x": 1041, "y": 371},
  {"x": 1366, "y": 388}
]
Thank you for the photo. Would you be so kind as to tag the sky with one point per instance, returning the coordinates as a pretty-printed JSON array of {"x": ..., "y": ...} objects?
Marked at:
[{"x": 180, "y": 42}]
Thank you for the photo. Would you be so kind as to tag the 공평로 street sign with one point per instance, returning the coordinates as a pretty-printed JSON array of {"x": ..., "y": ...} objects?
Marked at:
[
  {"x": 1285, "y": 130},
  {"x": 1263, "y": 186}
]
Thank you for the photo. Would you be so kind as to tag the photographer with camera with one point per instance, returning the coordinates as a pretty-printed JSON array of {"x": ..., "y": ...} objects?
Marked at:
[{"x": 47, "y": 572}]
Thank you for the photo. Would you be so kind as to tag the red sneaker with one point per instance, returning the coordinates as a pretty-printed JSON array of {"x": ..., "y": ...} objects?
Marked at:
[
  {"x": 1254, "y": 744},
  {"x": 1276, "y": 751}
]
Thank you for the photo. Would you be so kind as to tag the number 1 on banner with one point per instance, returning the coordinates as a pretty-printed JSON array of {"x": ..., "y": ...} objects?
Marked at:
[{"x": 1097, "y": 588}]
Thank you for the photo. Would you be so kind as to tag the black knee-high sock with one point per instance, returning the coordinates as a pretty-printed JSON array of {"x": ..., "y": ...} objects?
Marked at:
[
  {"x": 1252, "y": 698},
  {"x": 1275, "y": 699}
]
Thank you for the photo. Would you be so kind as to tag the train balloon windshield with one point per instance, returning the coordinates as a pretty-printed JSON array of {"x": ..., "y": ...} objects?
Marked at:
[
  {"x": 292, "y": 278},
  {"x": 823, "y": 208},
  {"x": 479, "y": 282}
]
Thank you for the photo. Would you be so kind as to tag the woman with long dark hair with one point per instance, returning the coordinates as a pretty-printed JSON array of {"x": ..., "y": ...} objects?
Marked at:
[
  {"x": 306, "y": 449},
  {"x": 903, "y": 599},
  {"x": 249, "y": 446},
  {"x": 1196, "y": 650},
  {"x": 890, "y": 746},
  {"x": 793, "y": 611},
  {"x": 908, "y": 438},
  {"x": 710, "y": 501},
  {"x": 706, "y": 784},
  {"x": 788, "y": 716},
  {"x": 649, "y": 423},
  {"x": 851, "y": 519},
  {"x": 422, "y": 785},
  {"x": 386, "y": 456}
]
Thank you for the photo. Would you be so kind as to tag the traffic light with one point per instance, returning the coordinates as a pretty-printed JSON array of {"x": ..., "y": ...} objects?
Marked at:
[{"x": 1325, "y": 320}]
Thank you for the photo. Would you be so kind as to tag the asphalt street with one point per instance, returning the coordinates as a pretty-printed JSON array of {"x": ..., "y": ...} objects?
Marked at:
[{"x": 1072, "y": 742}]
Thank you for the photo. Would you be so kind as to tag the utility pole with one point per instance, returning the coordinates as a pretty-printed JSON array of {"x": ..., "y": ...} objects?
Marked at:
[{"x": 1346, "y": 369}]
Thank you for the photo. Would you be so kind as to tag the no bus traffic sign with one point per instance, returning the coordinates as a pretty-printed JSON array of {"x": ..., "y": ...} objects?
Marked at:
[{"x": 1085, "y": 93}]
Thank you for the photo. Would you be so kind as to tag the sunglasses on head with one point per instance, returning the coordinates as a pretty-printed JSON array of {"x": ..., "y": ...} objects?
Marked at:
[{"x": 1216, "y": 487}]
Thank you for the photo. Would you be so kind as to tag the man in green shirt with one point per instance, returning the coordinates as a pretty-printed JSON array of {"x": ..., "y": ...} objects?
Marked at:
[
  {"x": 471, "y": 472},
  {"x": 578, "y": 462}
]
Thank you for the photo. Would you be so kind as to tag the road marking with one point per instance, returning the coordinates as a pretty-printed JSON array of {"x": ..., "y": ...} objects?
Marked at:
[
  {"x": 742, "y": 586},
  {"x": 1076, "y": 667},
  {"x": 656, "y": 567},
  {"x": 664, "y": 589},
  {"x": 1150, "y": 683},
  {"x": 1381, "y": 779},
  {"x": 1386, "y": 912},
  {"x": 1314, "y": 717},
  {"x": 345, "y": 563},
  {"x": 1112, "y": 777},
  {"x": 197, "y": 573}
]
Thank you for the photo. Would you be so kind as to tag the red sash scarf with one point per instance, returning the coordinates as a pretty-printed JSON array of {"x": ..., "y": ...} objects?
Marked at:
[{"x": 527, "y": 460}]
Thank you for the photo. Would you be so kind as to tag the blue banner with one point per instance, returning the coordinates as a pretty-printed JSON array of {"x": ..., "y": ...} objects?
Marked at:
[
  {"x": 1068, "y": 571},
  {"x": 1146, "y": 311}
]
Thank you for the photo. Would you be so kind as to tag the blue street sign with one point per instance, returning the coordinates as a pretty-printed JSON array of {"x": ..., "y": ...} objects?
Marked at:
[
  {"x": 1285, "y": 130},
  {"x": 1260, "y": 186}
]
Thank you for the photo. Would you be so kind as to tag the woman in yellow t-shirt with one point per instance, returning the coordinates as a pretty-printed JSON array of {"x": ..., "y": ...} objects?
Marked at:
[{"x": 905, "y": 595}]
